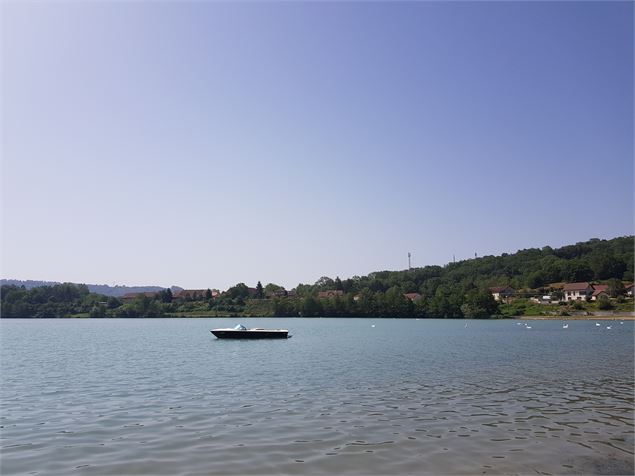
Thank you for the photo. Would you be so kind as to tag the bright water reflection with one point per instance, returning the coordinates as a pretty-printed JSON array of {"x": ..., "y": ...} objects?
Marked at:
[{"x": 405, "y": 396}]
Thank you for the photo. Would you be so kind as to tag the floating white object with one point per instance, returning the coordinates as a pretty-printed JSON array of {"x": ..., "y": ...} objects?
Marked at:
[
  {"x": 565, "y": 326},
  {"x": 608, "y": 327}
]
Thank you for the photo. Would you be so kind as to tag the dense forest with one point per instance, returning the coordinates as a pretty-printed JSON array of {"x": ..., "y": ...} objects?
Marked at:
[{"x": 456, "y": 290}]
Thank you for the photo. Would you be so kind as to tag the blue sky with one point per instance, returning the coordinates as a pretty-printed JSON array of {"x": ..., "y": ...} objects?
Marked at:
[{"x": 205, "y": 144}]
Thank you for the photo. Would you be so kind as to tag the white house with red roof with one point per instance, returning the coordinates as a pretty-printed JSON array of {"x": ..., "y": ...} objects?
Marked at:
[
  {"x": 577, "y": 291},
  {"x": 502, "y": 292}
]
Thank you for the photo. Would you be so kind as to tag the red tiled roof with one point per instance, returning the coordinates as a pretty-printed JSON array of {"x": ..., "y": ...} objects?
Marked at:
[
  {"x": 331, "y": 293},
  {"x": 576, "y": 286},
  {"x": 600, "y": 288},
  {"x": 500, "y": 289},
  {"x": 412, "y": 296}
]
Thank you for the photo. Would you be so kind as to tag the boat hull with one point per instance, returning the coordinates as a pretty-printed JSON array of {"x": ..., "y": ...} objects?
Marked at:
[{"x": 250, "y": 334}]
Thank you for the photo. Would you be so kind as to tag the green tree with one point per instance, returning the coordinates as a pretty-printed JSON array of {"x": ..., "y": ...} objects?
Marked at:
[
  {"x": 365, "y": 304},
  {"x": 272, "y": 288},
  {"x": 325, "y": 283},
  {"x": 479, "y": 304},
  {"x": 311, "y": 307},
  {"x": 605, "y": 265},
  {"x": 604, "y": 303},
  {"x": 446, "y": 302},
  {"x": 537, "y": 279},
  {"x": 260, "y": 292},
  {"x": 615, "y": 287},
  {"x": 165, "y": 295},
  {"x": 98, "y": 310},
  {"x": 396, "y": 304},
  {"x": 577, "y": 271},
  {"x": 238, "y": 291}
]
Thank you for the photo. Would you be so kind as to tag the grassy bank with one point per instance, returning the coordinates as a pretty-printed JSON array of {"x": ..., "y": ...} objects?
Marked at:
[{"x": 526, "y": 307}]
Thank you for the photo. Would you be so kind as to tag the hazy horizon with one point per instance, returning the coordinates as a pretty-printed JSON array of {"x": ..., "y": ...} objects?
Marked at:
[{"x": 205, "y": 144}]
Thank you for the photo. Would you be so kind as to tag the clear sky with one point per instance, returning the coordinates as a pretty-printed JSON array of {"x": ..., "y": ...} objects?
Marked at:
[{"x": 204, "y": 144}]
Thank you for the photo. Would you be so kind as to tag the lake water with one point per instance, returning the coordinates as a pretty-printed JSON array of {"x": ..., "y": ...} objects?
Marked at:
[{"x": 164, "y": 396}]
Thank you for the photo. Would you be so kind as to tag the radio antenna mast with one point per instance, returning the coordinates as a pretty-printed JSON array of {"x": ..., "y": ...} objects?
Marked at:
[{"x": 409, "y": 268}]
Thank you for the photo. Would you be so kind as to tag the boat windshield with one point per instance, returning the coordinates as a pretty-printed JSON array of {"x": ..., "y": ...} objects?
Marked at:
[{"x": 240, "y": 327}]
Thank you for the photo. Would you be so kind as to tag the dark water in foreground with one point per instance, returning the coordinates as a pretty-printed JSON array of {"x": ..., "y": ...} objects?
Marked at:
[{"x": 90, "y": 397}]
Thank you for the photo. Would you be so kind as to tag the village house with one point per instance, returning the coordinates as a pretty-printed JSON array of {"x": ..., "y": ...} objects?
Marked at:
[
  {"x": 599, "y": 290},
  {"x": 412, "y": 296},
  {"x": 577, "y": 291},
  {"x": 501, "y": 293},
  {"x": 331, "y": 293},
  {"x": 195, "y": 294},
  {"x": 628, "y": 290}
]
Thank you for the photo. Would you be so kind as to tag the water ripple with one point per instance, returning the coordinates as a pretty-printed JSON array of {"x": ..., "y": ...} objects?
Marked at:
[{"x": 198, "y": 408}]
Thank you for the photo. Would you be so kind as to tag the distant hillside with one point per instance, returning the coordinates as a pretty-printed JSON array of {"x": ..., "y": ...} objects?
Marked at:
[{"x": 116, "y": 291}]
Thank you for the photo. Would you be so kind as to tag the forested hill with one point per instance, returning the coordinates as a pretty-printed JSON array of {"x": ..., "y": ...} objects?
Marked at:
[
  {"x": 593, "y": 260},
  {"x": 461, "y": 289}
]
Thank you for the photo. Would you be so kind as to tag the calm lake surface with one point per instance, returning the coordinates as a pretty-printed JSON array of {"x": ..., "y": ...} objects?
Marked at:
[{"x": 164, "y": 396}]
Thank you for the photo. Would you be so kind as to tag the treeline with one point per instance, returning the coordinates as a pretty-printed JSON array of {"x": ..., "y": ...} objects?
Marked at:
[
  {"x": 447, "y": 302},
  {"x": 534, "y": 268},
  {"x": 104, "y": 289},
  {"x": 60, "y": 300},
  {"x": 71, "y": 300},
  {"x": 455, "y": 290}
]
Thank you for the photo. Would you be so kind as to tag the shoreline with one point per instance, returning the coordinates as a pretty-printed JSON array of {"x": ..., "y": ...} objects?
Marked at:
[
  {"x": 621, "y": 317},
  {"x": 580, "y": 318}
]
